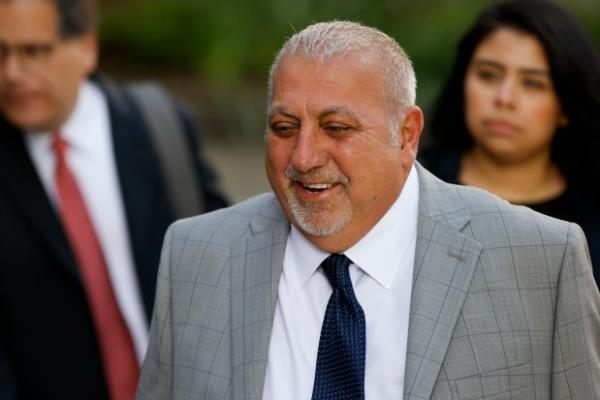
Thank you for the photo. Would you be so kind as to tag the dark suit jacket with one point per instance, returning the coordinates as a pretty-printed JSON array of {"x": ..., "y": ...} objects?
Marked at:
[{"x": 48, "y": 347}]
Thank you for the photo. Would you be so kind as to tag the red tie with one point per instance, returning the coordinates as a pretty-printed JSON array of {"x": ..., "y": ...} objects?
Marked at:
[{"x": 116, "y": 347}]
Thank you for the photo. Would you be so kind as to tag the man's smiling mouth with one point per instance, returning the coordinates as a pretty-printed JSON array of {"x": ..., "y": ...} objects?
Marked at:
[{"x": 316, "y": 187}]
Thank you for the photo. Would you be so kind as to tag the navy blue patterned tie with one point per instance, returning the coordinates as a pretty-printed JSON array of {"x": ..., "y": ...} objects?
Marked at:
[{"x": 340, "y": 373}]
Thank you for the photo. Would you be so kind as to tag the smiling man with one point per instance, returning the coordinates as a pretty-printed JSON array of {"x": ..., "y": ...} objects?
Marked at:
[{"x": 363, "y": 276}]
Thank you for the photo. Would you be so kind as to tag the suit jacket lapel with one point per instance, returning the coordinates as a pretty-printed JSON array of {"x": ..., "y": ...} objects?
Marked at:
[
  {"x": 19, "y": 180},
  {"x": 142, "y": 187},
  {"x": 256, "y": 268},
  {"x": 444, "y": 264}
]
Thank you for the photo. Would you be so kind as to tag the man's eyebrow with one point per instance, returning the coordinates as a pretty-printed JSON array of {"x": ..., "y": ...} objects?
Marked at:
[
  {"x": 495, "y": 64},
  {"x": 280, "y": 110},
  {"x": 338, "y": 110}
]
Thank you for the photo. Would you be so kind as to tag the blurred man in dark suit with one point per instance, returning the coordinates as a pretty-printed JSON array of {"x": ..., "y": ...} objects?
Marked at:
[{"x": 84, "y": 204}]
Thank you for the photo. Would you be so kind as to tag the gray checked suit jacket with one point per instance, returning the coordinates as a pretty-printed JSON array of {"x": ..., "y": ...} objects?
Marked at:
[{"x": 503, "y": 307}]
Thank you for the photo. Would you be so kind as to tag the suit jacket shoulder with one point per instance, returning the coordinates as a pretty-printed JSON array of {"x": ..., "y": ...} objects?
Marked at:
[
  {"x": 216, "y": 293},
  {"x": 227, "y": 225},
  {"x": 492, "y": 221},
  {"x": 499, "y": 291}
]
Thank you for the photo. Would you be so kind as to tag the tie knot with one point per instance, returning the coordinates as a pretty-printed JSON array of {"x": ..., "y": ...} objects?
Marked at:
[
  {"x": 60, "y": 146},
  {"x": 336, "y": 268}
]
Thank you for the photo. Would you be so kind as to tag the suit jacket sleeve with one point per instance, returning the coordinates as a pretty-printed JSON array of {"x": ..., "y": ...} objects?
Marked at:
[{"x": 576, "y": 342}]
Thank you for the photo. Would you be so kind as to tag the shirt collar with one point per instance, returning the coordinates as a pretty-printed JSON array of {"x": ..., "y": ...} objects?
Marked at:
[
  {"x": 379, "y": 253},
  {"x": 76, "y": 131},
  {"x": 300, "y": 248},
  {"x": 89, "y": 99}
]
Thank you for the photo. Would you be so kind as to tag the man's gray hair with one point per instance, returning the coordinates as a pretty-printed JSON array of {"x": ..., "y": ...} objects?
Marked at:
[{"x": 326, "y": 40}]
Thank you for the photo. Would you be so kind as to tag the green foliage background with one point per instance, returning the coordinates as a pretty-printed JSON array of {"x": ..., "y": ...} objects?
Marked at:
[{"x": 216, "y": 54}]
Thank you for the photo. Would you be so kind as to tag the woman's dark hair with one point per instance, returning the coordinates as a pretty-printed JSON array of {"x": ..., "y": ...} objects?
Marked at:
[{"x": 575, "y": 73}]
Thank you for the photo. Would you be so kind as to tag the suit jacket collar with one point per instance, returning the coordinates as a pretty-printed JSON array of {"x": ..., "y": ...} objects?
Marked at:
[
  {"x": 444, "y": 263},
  {"x": 148, "y": 211},
  {"x": 256, "y": 267},
  {"x": 445, "y": 260}
]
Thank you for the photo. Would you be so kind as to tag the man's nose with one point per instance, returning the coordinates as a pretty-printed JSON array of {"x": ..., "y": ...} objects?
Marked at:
[
  {"x": 11, "y": 67},
  {"x": 310, "y": 150}
]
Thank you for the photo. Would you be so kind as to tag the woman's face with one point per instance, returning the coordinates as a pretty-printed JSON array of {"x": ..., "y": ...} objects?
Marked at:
[{"x": 511, "y": 108}]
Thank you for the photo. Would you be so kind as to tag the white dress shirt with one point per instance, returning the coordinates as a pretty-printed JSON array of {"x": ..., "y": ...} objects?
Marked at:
[
  {"x": 381, "y": 274},
  {"x": 90, "y": 157}
]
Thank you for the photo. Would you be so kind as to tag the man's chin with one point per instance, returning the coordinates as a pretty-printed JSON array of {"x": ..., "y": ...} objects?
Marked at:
[
  {"x": 28, "y": 122},
  {"x": 319, "y": 218},
  {"x": 320, "y": 226}
]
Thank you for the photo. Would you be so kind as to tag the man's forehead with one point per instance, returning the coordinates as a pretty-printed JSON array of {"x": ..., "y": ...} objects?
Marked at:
[
  {"x": 360, "y": 59},
  {"x": 41, "y": 17},
  {"x": 329, "y": 75},
  {"x": 332, "y": 85}
]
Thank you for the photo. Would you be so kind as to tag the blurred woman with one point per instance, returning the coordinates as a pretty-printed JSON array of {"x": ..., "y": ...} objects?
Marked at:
[{"x": 520, "y": 114}]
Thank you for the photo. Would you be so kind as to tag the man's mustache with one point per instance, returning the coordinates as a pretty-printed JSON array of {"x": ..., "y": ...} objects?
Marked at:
[{"x": 317, "y": 175}]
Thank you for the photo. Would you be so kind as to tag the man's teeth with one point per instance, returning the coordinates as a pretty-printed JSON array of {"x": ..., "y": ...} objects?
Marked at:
[{"x": 317, "y": 186}]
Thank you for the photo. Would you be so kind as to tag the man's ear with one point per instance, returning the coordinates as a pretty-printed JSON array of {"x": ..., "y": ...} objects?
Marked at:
[
  {"x": 89, "y": 49},
  {"x": 411, "y": 129}
]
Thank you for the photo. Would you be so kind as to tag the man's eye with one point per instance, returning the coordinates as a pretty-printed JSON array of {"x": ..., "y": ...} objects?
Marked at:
[
  {"x": 336, "y": 128},
  {"x": 283, "y": 129},
  {"x": 36, "y": 50}
]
